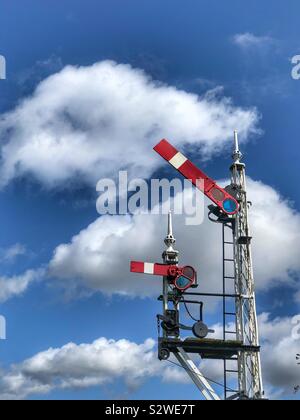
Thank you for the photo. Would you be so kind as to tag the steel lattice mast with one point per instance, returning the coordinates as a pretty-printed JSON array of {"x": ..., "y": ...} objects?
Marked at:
[{"x": 249, "y": 365}]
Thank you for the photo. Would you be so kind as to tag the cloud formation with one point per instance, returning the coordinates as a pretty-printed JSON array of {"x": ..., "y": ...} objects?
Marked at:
[
  {"x": 11, "y": 253},
  {"x": 105, "y": 362},
  {"x": 248, "y": 40},
  {"x": 81, "y": 366},
  {"x": 280, "y": 347},
  {"x": 84, "y": 122},
  {"x": 98, "y": 257},
  {"x": 16, "y": 285}
]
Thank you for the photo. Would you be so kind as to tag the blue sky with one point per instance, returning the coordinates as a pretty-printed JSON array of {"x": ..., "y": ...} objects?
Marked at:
[{"x": 191, "y": 46}]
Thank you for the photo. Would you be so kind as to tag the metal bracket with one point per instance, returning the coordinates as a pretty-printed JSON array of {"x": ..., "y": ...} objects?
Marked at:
[{"x": 197, "y": 377}]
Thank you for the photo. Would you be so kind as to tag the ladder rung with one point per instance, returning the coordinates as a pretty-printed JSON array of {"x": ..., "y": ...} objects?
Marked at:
[
  {"x": 228, "y": 259},
  {"x": 229, "y": 277},
  {"x": 229, "y": 243},
  {"x": 230, "y": 313},
  {"x": 231, "y": 371},
  {"x": 230, "y": 332}
]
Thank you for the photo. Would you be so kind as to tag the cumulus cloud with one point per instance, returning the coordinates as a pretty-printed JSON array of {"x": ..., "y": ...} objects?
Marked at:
[
  {"x": 81, "y": 366},
  {"x": 279, "y": 349},
  {"x": 84, "y": 122},
  {"x": 16, "y": 285},
  {"x": 248, "y": 40},
  {"x": 105, "y": 362},
  {"x": 276, "y": 230},
  {"x": 98, "y": 257}
]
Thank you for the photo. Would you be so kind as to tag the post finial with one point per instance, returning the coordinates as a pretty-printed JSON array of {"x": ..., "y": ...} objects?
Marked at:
[
  {"x": 170, "y": 253},
  {"x": 237, "y": 155}
]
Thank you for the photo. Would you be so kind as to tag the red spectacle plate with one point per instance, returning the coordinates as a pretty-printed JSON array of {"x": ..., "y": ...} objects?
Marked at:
[
  {"x": 199, "y": 179},
  {"x": 186, "y": 278}
]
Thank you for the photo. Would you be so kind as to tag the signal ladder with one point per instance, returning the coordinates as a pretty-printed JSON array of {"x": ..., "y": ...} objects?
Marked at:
[{"x": 231, "y": 366}]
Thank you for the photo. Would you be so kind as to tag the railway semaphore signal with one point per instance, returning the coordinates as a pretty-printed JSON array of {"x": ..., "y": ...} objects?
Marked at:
[
  {"x": 182, "y": 278},
  {"x": 239, "y": 347}
]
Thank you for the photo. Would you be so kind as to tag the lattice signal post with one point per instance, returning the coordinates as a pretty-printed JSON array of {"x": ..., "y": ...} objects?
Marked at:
[
  {"x": 230, "y": 209},
  {"x": 249, "y": 365}
]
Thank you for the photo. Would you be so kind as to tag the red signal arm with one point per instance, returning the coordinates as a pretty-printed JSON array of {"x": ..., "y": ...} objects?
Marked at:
[{"x": 208, "y": 186}]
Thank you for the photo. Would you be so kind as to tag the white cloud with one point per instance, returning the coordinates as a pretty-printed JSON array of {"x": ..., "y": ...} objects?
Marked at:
[
  {"x": 98, "y": 257},
  {"x": 276, "y": 230},
  {"x": 16, "y": 285},
  {"x": 248, "y": 40},
  {"x": 105, "y": 362},
  {"x": 279, "y": 350},
  {"x": 11, "y": 253},
  {"x": 81, "y": 366},
  {"x": 84, "y": 122}
]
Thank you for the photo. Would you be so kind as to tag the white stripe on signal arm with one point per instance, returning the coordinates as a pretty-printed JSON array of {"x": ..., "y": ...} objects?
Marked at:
[
  {"x": 149, "y": 268},
  {"x": 178, "y": 160}
]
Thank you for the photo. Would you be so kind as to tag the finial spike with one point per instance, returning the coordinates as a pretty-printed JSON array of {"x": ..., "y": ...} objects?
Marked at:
[
  {"x": 170, "y": 224},
  {"x": 170, "y": 254},
  {"x": 236, "y": 142},
  {"x": 237, "y": 155}
]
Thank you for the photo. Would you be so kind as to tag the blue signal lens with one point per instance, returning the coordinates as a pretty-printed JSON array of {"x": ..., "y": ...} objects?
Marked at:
[
  {"x": 229, "y": 205},
  {"x": 182, "y": 282}
]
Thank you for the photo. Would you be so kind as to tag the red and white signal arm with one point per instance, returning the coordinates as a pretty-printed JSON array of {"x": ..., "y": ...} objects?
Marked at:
[
  {"x": 181, "y": 277},
  {"x": 209, "y": 187}
]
